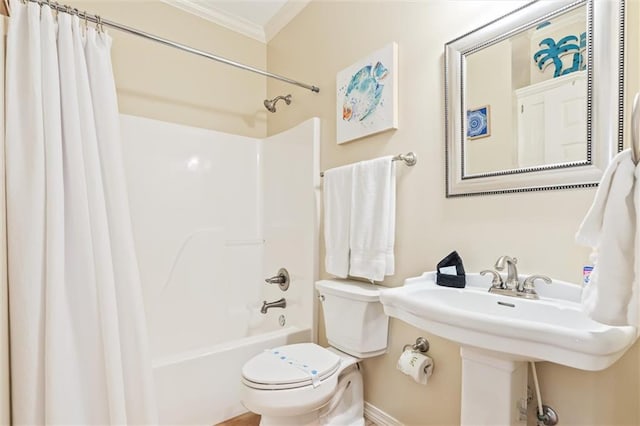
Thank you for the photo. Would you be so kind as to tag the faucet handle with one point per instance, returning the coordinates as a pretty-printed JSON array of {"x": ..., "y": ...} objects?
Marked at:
[
  {"x": 278, "y": 279},
  {"x": 282, "y": 279},
  {"x": 529, "y": 286},
  {"x": 496, "y": 281},
  {"x": 529, "y": 282}
]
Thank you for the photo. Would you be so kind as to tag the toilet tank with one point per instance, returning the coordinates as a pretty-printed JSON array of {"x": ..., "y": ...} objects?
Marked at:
[{"x": 354, "y": 318}]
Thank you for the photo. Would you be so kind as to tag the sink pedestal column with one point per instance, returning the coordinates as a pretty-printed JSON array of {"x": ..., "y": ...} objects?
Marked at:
[{"x": 494, "y": 389}]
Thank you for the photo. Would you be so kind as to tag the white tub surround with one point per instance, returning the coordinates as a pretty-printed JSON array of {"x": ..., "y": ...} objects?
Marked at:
[{"x": 214, "y": 214}]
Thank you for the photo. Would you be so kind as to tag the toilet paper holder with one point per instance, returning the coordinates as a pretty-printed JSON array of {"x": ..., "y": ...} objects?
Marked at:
[{"x": 421, "y": 345}]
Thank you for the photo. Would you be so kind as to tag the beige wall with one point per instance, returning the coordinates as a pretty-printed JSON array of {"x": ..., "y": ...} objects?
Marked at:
[
  {"x": 163, "y": 83},
  {"x": 4, "y": 302},
  {"x": 538, "y": 228}
]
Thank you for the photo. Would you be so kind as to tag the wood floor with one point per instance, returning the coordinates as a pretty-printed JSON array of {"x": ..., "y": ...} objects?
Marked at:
[{"x": 246, "y": 419}]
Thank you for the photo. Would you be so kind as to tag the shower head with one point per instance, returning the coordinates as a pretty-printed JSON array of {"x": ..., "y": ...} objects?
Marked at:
[{"x": 270, "y": 105}]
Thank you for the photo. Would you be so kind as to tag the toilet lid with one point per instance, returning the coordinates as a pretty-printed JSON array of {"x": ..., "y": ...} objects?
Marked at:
[{"x": 295, "y": 365}]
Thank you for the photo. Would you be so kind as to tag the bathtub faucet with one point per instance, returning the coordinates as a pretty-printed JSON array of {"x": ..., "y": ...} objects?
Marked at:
[{"x": 282, "y": 303}]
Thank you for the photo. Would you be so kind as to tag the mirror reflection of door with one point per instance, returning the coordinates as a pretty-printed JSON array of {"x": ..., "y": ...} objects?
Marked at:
[
  {"x": 552, "y": 125},
  {"x": 533, "y": 87}
]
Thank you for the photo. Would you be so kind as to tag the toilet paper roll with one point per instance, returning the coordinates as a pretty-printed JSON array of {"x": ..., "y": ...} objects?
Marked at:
[{"x": 415, "y": 365}]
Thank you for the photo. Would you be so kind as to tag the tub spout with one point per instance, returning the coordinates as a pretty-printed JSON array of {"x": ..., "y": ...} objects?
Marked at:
[{"x": 282, "y": 303}]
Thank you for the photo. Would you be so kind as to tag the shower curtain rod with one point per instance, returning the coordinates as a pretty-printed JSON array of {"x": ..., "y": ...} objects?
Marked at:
[{"x": 120, "y": 27}]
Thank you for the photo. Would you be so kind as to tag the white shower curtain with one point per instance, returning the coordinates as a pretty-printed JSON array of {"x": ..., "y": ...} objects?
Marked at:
[{"x": 78, "y": 338}]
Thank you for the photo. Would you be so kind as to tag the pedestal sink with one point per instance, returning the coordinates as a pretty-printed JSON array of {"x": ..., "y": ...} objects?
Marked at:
[{"x": 499, "y": 334}]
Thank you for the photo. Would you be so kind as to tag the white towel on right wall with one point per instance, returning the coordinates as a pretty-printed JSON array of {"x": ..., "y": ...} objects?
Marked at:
[
  {"x": 610, "y": 228},
  {"x": 373, "y": 217}
]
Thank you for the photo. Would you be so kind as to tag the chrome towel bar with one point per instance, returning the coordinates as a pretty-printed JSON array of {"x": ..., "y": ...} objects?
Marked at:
[{"x": 410, "y": 159}]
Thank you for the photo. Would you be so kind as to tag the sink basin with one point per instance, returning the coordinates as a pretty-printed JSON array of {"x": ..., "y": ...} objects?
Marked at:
[{"x": 553, "y": 328}]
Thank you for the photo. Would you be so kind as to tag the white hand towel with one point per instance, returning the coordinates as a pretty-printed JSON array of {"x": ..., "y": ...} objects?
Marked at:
[
  {"x": 391, "y": 233},
  {"x": 337, "y": 219},
  {"x": 373, "y": 207},
  {"x": 633, "y": 313},
  {"x": 610, "y": 228}
]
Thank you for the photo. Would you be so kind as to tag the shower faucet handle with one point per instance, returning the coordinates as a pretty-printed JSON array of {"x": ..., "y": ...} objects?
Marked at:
[
  {"x": 282, "y": 279},
  {"x": 278, "y": 279}
]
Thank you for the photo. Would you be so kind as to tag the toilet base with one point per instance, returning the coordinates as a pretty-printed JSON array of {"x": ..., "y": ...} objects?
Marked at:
[
  {"x": 347, "y": 404},
  {"x": 309, "y": 419},
  {"x": 345, "y": 408}
]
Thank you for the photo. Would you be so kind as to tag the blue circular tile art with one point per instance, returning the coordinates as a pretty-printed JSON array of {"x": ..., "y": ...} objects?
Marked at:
[{"x": 477, "y": 123}]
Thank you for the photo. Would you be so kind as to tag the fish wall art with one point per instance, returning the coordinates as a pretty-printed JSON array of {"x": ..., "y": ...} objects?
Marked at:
[{"x": 367, "y": 95}]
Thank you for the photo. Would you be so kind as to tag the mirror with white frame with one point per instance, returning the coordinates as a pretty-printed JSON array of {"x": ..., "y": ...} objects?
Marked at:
[{"x": 534, "y": 98}]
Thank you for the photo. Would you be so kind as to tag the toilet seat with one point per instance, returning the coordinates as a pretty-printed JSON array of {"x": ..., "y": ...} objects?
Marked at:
[{"x": 290, "y": 367}]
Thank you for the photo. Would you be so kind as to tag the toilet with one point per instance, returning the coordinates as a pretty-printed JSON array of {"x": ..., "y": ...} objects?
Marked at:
[{"x": 305, "y": 384}]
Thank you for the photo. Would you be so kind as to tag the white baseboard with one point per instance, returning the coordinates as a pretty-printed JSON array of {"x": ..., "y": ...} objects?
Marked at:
[{"x": 379, "y": 417}]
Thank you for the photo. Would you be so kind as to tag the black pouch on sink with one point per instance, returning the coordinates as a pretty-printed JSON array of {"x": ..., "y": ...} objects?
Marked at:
[{"x": 458, "y": 280}]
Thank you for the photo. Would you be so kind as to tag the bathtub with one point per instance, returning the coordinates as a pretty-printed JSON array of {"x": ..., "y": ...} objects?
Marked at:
[{"x": 202, "y": 387}]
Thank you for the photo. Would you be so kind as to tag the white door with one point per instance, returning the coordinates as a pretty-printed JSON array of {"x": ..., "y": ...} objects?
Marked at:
[
  {"x": 566, "y": 123},
  {"x": 552, "y": 121},
  {"x": 531, "y": 130}
]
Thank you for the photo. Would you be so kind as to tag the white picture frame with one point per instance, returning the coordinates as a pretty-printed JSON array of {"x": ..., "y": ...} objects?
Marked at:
[{"x": 367, "y": 95}]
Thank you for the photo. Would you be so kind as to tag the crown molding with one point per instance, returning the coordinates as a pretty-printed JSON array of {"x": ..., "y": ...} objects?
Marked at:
[
  {"x": 221, "y": 17},
  {"x": 286, "y": 13}
]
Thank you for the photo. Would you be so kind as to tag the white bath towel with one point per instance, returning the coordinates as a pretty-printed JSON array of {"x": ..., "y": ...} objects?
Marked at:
[
  {"x": 610, "y": 228},
  {"x": 373, "y": 204},
  {"x": 337, "y": 219}
]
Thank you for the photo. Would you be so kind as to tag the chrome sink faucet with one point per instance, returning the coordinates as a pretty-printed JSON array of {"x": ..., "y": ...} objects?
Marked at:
[
  {"x": 512, "y": 282},
  {"x": 512, "y": 286}
]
